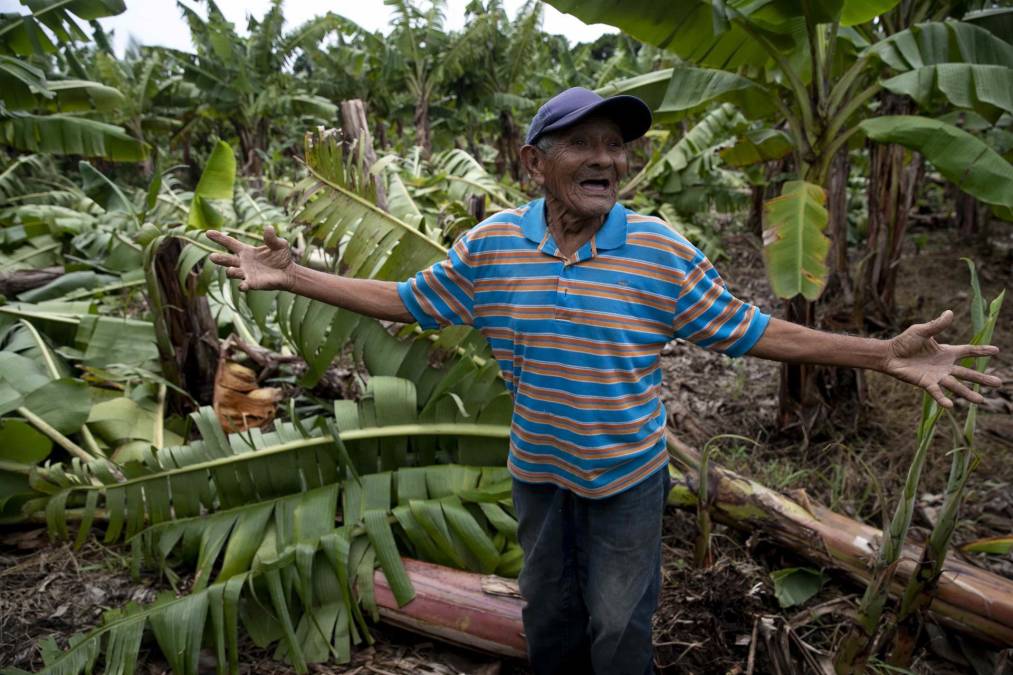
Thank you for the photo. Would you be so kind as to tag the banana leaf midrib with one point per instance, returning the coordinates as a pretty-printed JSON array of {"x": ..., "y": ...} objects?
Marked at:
[
  {"x": 59, "y": 317},
  {"x": 354, "y": 529},
  {"x": 365, "y": 203},
  {"x": 447, "y": 429}
]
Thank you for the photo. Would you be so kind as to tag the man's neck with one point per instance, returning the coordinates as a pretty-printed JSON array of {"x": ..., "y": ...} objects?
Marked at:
[{"x": 570, "y": 231}]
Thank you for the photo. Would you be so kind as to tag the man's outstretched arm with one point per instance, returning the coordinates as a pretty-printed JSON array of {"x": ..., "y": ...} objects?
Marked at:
[
  {"x": 270, "y": 267},
  {"x": 914, "y": 356}
]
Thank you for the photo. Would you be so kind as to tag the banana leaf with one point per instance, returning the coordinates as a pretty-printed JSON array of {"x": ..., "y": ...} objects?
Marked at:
[
  {"x": 794, "y": 245},
  {"x": 986, "y": 89},
  {"x": 962, "y": 158},
  {"x": 62, "y": 134},
  {"x": 674, "y": 93},
  {"x": 928, "y": 44},
  {"x": 698, "y": 32}
]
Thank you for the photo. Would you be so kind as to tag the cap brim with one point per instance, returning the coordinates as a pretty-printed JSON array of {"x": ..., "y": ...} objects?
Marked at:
[{"x": 629, "y": 112}]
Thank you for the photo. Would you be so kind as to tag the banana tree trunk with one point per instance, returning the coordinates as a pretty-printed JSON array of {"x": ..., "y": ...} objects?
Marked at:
[
  {"x": 837, "y": 206},
  {"x": 19, "y": 281},
  {"x": 894, "y": 181},
  {"x": 509, "y": 142},
  {"x": 798, "y": 400},
  {"x": 188, "y": 348},
  {"x": 422, "y": 137},
  {"x": 968, "y": 598},
  {"x": 464, "y": 608},
  {"x": 355, "y": 130}
]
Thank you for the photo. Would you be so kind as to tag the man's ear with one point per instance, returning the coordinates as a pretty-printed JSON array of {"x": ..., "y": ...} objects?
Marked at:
[{"x": 533, "y": 159}]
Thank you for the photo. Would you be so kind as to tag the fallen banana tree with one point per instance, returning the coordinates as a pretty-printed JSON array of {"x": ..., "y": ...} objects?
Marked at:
[
  {"x": 968, "y": 598},
  {"x": 478, "y": 611},
  {"x": 483, "y": 612}
]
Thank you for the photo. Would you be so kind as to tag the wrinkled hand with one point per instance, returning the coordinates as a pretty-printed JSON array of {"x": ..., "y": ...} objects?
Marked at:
[
  {"x": 268, "y": 267},
  {"x": 915, "y": 357}
]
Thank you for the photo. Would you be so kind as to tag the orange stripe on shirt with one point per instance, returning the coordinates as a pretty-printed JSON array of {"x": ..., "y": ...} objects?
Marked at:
[
  {"x": 640, "y": 268},
  {"x": 553, "y": 341},
  {"x": 699, "y": 307},
  {"x": 739, "y": 331},
  {"x": 560, "y": 422},
  {"x": 613, "y": 451},
  {"x": 582, "y": 402},
  {"x": 453, "y": 303},
  {"x": 496, "y": 230},
  {"x": 549, "y": 312}
]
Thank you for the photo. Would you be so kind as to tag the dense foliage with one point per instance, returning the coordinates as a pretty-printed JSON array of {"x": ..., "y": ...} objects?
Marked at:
[{"x": 135, "y": 380}]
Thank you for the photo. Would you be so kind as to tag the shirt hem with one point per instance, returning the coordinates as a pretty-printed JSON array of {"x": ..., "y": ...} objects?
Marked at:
[
  {"x": 558, "y": 483},
  {"x": 757, "y": 327},
  {"x": 404, "y": 291}
]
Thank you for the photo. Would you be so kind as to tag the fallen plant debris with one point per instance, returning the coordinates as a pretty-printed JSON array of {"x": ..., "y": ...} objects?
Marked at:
[{"x": 275, "y": 528}]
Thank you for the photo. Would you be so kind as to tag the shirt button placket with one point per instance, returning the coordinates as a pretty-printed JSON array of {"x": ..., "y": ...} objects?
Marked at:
[{"x": 560, "y": 290}]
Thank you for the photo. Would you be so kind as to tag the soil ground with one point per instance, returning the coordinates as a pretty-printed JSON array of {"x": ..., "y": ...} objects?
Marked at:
[{"x": 717, "y": 620}]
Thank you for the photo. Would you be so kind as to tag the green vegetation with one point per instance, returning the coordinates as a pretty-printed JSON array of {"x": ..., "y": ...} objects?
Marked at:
[{"x": 268, "y": 504}]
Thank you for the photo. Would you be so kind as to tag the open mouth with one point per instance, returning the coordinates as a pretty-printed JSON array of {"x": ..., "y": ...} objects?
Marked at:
[{"x": 595, "y": 185}]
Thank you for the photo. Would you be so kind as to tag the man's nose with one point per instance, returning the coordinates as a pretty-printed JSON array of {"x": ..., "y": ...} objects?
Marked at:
[{"x": 600, "y": 155}]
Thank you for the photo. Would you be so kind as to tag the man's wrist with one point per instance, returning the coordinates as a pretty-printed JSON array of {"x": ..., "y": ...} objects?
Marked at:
[
  {"x": 296, "y": 278},
  {"x": 882, "y": 361}
]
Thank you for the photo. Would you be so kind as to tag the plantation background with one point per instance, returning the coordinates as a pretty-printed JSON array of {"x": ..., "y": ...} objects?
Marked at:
[{"x": 169, "y": 445}]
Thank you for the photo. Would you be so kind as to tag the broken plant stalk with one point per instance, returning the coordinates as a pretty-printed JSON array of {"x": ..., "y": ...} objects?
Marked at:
[{"x": 703, "y": 554}]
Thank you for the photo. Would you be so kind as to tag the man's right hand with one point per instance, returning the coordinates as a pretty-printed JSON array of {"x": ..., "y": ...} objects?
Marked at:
[
  {"x": 262, "y": 268},
  {"x": 270, "y": 268}
]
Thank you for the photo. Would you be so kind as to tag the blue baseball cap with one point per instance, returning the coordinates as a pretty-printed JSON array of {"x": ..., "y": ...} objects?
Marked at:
[{"x": 571, "y": 106}]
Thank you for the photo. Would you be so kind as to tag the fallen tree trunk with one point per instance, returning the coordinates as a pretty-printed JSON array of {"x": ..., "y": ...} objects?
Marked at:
[
  {"x": 968, "y": 598},
  {"x": 19, "y": 281},
  {"x": 466, "y": 609}
]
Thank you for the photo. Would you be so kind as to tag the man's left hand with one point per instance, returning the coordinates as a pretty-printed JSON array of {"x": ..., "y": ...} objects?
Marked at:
[{"x": 915, "y": 357}]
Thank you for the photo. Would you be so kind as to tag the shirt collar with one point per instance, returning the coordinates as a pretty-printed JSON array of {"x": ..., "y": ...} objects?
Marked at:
[{"x": 612, "y": 233}]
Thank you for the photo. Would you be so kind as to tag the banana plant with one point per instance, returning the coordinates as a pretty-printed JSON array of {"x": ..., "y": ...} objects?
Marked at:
[
  {"x": 919, "y": 590},
  {"x": 823, "y": 101},
  {"x": 855, "y": 649},
  {"x": 817, "y": 66},
  {"x": 242, "y": 79},
  {"x": 42, "y": 114},
  {"x": 357, "y": 239},
  {"x": 689, "y": 174}
]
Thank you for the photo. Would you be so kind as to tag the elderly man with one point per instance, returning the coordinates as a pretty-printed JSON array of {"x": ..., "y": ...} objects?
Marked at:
[{"x": 577, "y": 295}]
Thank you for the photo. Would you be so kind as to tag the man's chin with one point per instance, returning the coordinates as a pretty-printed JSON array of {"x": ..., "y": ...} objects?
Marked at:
[
  {"x": 600, "y": 206},
  {"x": 589, "y": 205}
]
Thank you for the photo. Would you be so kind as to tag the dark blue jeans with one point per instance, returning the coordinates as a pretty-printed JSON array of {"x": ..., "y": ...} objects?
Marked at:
[{"x": 592, "y": 572}]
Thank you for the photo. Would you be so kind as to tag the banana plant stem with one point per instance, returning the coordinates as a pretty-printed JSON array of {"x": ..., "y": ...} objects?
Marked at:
[{"x": 55, "y": 435}]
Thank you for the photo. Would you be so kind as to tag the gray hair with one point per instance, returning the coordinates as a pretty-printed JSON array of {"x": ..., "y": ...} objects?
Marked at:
[{"x": 546, "y": 141}]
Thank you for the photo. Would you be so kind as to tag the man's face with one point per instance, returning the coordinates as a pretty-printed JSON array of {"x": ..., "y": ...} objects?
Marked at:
[{"x": 583, "y": 168}]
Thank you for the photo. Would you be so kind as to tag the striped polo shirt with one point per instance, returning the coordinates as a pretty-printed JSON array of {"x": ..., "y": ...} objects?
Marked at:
[{"x": 579, "y": 340}]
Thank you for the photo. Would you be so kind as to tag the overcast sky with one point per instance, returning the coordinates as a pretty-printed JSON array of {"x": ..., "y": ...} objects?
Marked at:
[{"x": 158, "y": 22}]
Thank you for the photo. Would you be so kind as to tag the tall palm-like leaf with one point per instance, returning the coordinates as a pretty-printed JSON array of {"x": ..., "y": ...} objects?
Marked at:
[{"x": 684, "y": 163}]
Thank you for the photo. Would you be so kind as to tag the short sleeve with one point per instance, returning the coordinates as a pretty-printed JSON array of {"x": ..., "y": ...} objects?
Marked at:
[
  {"x": 707, "y": 315},
  {"x": 443, "y": 294}
]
